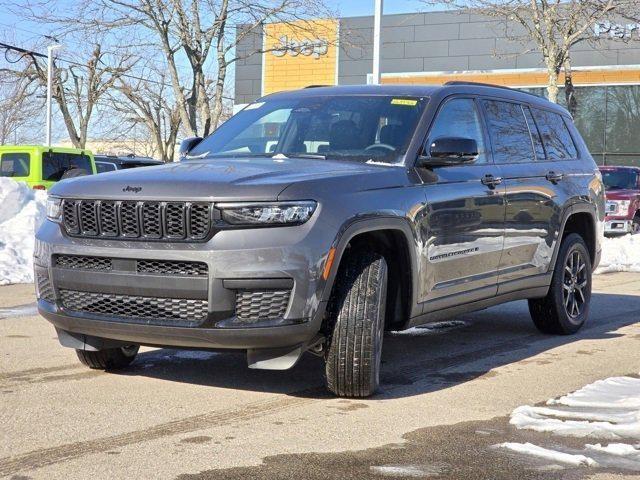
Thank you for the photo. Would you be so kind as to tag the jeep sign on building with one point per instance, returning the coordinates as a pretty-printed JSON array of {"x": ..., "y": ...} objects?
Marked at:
[{"x": 436, "y": 47}]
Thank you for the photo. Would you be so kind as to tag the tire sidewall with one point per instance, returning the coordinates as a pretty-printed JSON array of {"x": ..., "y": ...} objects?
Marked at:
[{"x": 572, "y": 243}]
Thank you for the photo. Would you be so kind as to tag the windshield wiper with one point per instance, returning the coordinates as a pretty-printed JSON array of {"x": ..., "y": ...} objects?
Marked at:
[{"x": 316, "y": 156}]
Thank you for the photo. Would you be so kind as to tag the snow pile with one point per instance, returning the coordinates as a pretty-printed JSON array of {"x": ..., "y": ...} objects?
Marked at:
[
  {"x": 607, "y": 409},
  {"x": 620, "y": 254},
  {"x": 22, "y": 210}
]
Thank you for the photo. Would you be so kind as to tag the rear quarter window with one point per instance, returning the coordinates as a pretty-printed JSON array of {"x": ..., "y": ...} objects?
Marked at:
[
  {"x": 14, "y": 165},
  {"x": 556, "y": 138}
]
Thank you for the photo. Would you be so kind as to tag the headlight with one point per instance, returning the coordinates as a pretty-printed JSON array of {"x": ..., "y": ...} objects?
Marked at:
[
  {"x": 278, "y": 213},
  {"x": 54, "y": 209}
]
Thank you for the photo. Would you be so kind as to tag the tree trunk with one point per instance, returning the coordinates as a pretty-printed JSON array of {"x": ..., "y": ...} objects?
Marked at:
[
  {"x": 552, "y": 87},
  {"x": 569, "y": 89}
]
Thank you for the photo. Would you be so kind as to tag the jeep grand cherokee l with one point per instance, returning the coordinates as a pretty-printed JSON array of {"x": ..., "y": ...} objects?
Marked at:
[{"x": 315, "y": 220}]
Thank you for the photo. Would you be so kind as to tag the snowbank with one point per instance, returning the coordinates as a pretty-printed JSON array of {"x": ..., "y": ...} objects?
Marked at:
[
  {"x": 21, "y": 213},
  {"x": 620, "y": 255},
  {"x": 607, "y": 409}
]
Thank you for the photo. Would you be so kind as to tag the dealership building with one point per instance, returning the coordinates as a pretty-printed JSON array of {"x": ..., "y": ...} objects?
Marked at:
[{"x": 437, "y": 47}]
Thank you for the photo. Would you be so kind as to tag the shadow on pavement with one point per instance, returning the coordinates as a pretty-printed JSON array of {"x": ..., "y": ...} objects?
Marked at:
[{"x": 414, "y": 362}]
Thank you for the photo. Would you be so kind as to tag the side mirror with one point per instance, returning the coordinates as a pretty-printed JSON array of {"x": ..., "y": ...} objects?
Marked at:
[
  {"x": 449, "y": 151},
  {"x": 187, "y": 145}
]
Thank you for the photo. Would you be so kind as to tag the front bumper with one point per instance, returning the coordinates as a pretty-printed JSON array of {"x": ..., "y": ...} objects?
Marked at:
[
  {"x": 617, "y": 226},
  {"x": 235, "y": 261},
  {"x": 171, "y": 336}
]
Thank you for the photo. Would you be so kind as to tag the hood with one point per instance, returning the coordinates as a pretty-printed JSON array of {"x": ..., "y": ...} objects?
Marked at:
[
  {"x": 621, "y": 194},
  {"x": 212, "y": 180}
]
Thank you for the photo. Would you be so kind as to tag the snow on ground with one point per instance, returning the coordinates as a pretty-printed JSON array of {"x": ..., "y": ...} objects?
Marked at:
[
  {"x": 607, "y": 409},
  {"x": 21, "y": 212},
  {"x": 620, "y": 254}
]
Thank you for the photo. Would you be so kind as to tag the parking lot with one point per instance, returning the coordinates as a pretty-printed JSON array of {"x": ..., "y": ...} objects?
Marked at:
[{"x": 446, "y": 398}]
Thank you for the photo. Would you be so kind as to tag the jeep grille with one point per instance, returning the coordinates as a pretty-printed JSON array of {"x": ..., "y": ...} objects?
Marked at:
[{"x": 131, "y": 220}]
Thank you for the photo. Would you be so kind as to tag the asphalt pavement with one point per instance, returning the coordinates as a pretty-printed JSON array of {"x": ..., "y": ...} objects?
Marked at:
[{"x": 445, "y": 402}]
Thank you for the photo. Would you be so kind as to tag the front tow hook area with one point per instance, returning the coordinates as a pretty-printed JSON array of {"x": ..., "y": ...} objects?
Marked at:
[
  {"x": 274, "y": 358},
  {"x": 283, "y": 358}
]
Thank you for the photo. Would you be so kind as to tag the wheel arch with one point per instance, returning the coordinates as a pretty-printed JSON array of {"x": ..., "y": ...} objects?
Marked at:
[
  {"x": 384, "y": 234},
  {"x": 580, "y": 218}
]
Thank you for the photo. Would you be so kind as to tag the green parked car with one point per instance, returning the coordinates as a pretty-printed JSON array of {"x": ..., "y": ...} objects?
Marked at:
[{"x": 40, "y": 167}]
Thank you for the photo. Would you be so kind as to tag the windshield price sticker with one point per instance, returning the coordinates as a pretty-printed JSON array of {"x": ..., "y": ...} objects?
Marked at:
[{"x": 408, "y": 102}]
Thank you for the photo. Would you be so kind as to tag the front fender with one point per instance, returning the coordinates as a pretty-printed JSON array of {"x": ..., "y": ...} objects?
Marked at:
[{"x": 359, "y": 226}]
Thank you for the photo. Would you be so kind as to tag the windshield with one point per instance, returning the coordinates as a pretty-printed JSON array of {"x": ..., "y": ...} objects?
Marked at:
[
  {"x": 622, "y": 179},
  {"x": 358, "y": 127}
]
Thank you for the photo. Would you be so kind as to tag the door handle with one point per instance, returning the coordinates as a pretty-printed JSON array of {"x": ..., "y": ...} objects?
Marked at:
[
  {"x": 491, "y": 181},
  {"x": 554, "y": 177}
]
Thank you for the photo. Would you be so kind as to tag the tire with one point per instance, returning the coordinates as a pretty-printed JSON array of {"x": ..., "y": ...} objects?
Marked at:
[
  {"x": 566, "y": 307},
  {"x": 358, "y": 309},
  {"x": 635, "y": 225},
  {"x": 109, "y": 359}
]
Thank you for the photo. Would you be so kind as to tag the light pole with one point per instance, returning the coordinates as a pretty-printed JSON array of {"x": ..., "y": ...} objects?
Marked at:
[
  {"x": 377, "y": 27},
  {"x": 50, "y": 50}
]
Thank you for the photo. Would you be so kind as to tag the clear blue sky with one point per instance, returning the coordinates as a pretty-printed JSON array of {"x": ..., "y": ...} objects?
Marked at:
[{"x": 353, "y": 8}]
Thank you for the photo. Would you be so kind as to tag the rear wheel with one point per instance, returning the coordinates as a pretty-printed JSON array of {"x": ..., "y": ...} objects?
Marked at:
[
  {"x": 109, "y": 359},
  {"x": 566, "y": 307},
  {"x": 358, "y": 310}
]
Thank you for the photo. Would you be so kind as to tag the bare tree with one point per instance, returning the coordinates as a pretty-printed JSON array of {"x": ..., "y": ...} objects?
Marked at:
[
  {"x": 152, "y": 106},
  {"x": 78, "y": 87},
  {"x": 554, "y": 27},
  {"x": 202, "y": 32},
  {"x": 20, "y": 109}
]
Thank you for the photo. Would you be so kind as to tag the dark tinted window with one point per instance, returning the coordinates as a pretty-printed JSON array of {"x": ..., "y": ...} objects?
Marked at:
[
  {"x": 55, "y": 164},
  {"x": 620, "y": 179},
  {"x": 103, "y": 167},
  {"x": 509, "y": 132},
  {"x": 535, "y": 134},
  {"x": 555, "y": 135},
  {"x": 14, "y": 165},
  {"x": 459, "y": 118}
]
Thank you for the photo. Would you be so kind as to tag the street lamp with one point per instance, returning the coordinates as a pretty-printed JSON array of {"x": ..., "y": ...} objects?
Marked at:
[
  {"x": 377, "y": 26},
  {"x": 50, "y": 50}
]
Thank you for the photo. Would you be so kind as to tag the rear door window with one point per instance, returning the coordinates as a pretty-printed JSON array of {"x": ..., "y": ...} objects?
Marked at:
[
  {"x": 14, "y": 165},
  {"x": 555, "y": 135},
  {"x": 55, "y": 164},
  {"x": 509, "y": 132},
  {"x": 535, "y": 135}
]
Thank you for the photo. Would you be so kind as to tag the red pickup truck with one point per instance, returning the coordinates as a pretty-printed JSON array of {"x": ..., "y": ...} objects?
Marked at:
[{"x": 622, "y": 186}]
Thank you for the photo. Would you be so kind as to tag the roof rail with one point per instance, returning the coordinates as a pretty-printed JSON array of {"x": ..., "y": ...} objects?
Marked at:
[
  {"x": 318, "y": 86},
  {"x": 480, "y": 84}
]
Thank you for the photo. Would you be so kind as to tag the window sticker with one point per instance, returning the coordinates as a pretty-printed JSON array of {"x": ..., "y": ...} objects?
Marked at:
[{"x": 407, "y": 102}]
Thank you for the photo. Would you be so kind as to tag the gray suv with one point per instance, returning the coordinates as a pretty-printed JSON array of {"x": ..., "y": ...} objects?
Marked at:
[{"x": 315, "y": 220}]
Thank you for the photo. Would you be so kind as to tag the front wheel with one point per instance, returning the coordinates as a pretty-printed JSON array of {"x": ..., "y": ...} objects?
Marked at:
[
  {"x": 358, "y": 310},
  {"x": 635, "y": 225},
  {"x": 566, "y": 307},
  {"x": 110, "y": 358}
]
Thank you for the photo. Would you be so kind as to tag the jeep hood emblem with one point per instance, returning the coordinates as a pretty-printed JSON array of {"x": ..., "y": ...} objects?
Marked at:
[{"x": 129, "y": 188}]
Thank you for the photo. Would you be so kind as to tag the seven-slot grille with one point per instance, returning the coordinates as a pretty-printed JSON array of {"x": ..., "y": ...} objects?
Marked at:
[{"x": 168, "y": 221}]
